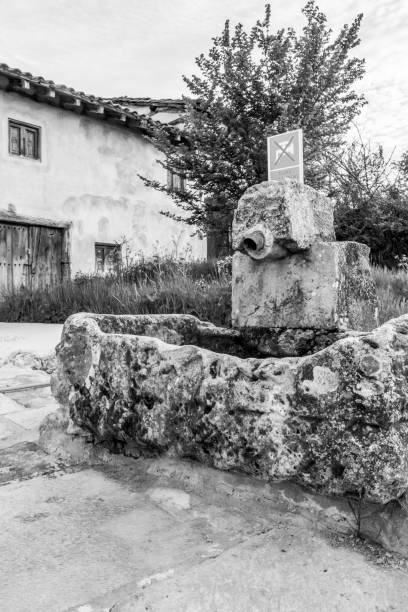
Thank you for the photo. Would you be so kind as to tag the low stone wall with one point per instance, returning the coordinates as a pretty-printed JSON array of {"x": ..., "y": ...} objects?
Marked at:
[{"x": 335, "y": 421}]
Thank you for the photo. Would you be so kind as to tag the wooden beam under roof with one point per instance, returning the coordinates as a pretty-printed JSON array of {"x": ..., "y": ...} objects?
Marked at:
[
  {"x": 115, "y": 116},
  {"x": 4, "y": 81},
  {"x": 94, "y": 110},
  {"x": 24, "y": 86},
  {"x": 47, "y": 94},
  {"x": 74, "y": 104}
]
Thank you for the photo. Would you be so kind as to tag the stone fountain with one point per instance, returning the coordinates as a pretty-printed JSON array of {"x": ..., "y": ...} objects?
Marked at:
[
  {"x": 290, "y": 278},
  {"x": 302, "y": 387}
]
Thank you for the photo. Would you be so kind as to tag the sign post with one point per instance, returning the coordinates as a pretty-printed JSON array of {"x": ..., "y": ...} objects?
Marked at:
[{"x": 285, "y": 156}]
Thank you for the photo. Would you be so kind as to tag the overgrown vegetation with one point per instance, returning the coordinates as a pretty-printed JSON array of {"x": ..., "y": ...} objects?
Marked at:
[
  {"x": 257, "y": 82},
  {"x": 152, "y": 285},
  {"x": 392, "y": 290},
  {"x": 371, "y": 195},
  {"x": 251, "y": 84},
  {"x": 165, "y": 285}
]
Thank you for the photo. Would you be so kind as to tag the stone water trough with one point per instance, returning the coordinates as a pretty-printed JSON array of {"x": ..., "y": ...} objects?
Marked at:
[{"x": 304, "y": 386}]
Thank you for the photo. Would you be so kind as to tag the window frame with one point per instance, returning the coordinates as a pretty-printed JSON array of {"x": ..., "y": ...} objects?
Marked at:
[
  {"x": 22, "y": 126},
  {"x": 111, "y": 246},
  {"x": 171, "y": 175}
]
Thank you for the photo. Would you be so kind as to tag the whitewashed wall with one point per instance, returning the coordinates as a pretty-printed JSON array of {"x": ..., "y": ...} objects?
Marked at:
[{"x": 88, "y": 175}]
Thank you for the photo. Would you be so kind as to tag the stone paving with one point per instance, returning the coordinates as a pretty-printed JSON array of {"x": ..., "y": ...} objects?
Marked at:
[
  {"x": 38, "y": 338},
  {"x": 172, "y": 536},
  {"x": 25, "y": 394},
  {"x": 25, "y": 399}
]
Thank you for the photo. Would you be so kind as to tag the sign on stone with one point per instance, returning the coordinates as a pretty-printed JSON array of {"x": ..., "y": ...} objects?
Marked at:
[{"x": 285, "y": 156}]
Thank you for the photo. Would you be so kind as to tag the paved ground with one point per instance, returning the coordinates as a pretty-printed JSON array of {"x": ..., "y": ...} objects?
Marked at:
[
  {"x": 25, "y": 395},
  {"x": 24, "y": 402},
  {"x": 128, "y": 538},
  {"x": 163, "y": 535},
  {"x": 40, "y": 338}
]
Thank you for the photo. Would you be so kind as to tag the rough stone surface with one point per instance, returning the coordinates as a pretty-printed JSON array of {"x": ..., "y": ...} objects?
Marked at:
[
  {"x": 327, "y": 287},
  {"x": 286, "y": 217},
  {"x": 335, "y": 421},
  {"x": 289, "y": 273},
  {"x": 246, "y": 342},
  {"x": 171, "y": 328},
  {"x": 27, "y": 359},
  {"x": 268, "y": 342}
]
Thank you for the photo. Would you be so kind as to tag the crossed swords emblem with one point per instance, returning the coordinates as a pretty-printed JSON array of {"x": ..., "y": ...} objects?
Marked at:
[{"x": 284, "y": 150}]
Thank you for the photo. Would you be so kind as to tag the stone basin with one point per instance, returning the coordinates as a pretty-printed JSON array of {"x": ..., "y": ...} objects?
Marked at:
[{"x": 334, "y": 421}]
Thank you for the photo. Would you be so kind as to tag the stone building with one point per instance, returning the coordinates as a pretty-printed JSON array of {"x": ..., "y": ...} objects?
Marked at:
[{"x": 70, "y": 191}]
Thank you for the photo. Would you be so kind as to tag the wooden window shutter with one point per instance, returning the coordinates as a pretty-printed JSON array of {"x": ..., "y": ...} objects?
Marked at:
[
  {"x": 169, "y": 179},
  {"x": 24, "y": 140},
  {"x": 29, "y": 148},
  {"x": 175, "y": 182},
  {"x": 99, "y": 258},
  {"x": 14, "y": 140},
  {"x": 108, "y": 257}
]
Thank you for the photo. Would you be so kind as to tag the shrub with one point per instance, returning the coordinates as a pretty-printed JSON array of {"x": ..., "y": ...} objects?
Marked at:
[{"x": 371, "y": 196}]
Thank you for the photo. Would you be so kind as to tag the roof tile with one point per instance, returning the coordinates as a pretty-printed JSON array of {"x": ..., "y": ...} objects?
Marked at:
[{"x": 145, "y": 123}]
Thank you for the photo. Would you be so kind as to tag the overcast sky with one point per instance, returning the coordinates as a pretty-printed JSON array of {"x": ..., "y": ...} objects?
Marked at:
[{"x": 142, "y": 47}]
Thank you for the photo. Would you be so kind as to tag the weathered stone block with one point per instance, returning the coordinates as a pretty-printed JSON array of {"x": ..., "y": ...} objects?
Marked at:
[
  {"x": 278, "y": 218},
  {"x": 336, "y": 421},
  {"x": 286, "y": 342},
  {"x": 327, "y": 287}
]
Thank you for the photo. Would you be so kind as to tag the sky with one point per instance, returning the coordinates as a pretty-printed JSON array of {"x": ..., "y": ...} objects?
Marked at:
[{"x": 142, "y": 47}]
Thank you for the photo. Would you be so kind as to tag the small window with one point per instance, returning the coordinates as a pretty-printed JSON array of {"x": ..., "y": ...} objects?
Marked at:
[
  {"x": 24, "y": 140},
  {"x": 108, "y": 257},
  {"x": 175, "y": 182}
]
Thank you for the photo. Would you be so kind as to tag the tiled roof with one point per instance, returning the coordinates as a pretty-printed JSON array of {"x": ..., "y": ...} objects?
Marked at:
[
  {"x": 118, "y": 111},
  {"x": 164, "y": 110},
  {"x": 155, "y": 104}
]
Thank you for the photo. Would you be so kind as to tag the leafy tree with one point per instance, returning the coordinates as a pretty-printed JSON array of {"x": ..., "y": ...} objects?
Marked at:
[
  {"x": 371, "y": 194},
  {"x": 251, "y": 84}
]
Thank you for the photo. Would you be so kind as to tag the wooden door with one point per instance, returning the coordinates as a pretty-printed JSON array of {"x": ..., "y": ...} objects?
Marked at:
[
  {"x": 14, "y": 262},
  {"x": 45, "y": 256},
  {"x": 30, "y": 256}
]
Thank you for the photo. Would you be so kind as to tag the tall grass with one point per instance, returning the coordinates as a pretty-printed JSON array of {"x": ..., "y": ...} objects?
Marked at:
[
  {"x": 165, "y": 285},
  {"x": 392, "y": 291},
  {"x": 199, "y": 288}
]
